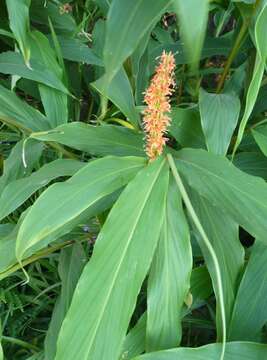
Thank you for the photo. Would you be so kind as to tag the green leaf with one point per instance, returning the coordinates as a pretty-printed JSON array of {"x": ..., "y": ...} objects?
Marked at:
[
  {"x": 208, "y": 248},
  {"x": 117, "y": 261},
  {"x": 1, "y": 349},
  {"x": 260, "y": 136},
  {"x": 64, "y": 24},
  {"x": 39, "y": 356},
  {"x": 14, "y": 168},
  {"x": 169, "y": 278},
  {"x": 96, "y": 140},
  {"x": 16, "y": 112},
  {"x": 5, "y": 229},
  {"x": 18, "y": 191},
  {"x": 71, "y": 264},
  {"x": 186, "y": 128},
  {"x": 250, "y": 314},
  {"x": 212, "y": 46},
  {"x": 8, "y": 246},
  {"x": 6, "y": 33},
  {"x": 134, "y": 19},
  {"x": 103, "y": 5},
  {"x": 201, "y": 286},
  {"x": 253, "y": 163},
  {"x": 76, "y": 50},
  {"x": 61, "y": 205},
  {"x": 255, "y": 83},
  {"x": 18, "y": 12},
  {"x": 135, "y": 341},
  {"x": 222, "y": 232},
  {"x": 193, "y": 22},
  {"x": 55, "y": 102},
  {"x": 119, "y": 91},
  {"x": 12, "y": 63},
  {"x": 234, "y": 351},
  {"x": 241, "y": 196},
  {"x": 219, "y": 116}
]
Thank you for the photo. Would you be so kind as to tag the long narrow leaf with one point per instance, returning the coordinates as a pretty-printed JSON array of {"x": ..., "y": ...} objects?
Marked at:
[
  {"x": 61, "y": 205},
  {"x": 106, "y": 294},
  {"x": 169, "y": 278},
  {"x": 242, "y": 196},
  {"x": 234, "y": 351},
  {"x": 18, "y": 191},
  {"x": 96, "y": 140}
]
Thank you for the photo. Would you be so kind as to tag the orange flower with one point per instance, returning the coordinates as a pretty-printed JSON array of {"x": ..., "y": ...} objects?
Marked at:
[{"x": 157, "y": 98}]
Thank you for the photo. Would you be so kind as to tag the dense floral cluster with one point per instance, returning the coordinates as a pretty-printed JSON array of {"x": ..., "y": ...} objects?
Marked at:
[{"x": 157, "y": 99}]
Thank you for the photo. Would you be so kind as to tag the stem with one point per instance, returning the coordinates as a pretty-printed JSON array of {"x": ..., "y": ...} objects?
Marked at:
[
  {"x": 264, "y": 121},
  {"x": 61, "y": 149},
  {"x": 55, "y": 146},
  {"x": 20, "y": 343},
  {"x": 233, "y": 53},
  {"x": 33, "y": 258},
  {"x": 204, "y": 236}
]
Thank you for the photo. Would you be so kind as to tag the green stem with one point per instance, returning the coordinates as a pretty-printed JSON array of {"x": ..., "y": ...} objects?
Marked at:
[
  {"x": 20, "y": 343},
  {"x": 204, "y": 236},
  {"x": 233, "y": 53},
  {"x": 33, "y": 258},
  {"x": 55, "y": 146},
  {"x": 61, "y": 149},
  {"x": 264, "y": 121}
]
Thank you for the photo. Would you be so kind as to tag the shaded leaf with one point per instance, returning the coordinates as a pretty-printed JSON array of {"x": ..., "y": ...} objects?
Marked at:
[
  {"x": 186, "y": 128},
  {"x": 14, "y": 168},
  {"x": 71, "y": 264},
  {"x": 76, "y": 50},
  {"x": 55, "y": 102},
  {"x": 249, "y": 314},
  {"x": 12, "y": 63},
  {"x": 253, "y": 163},
  {"x": 18, "y": 191},
  {"x": 135, "y": 341},
  {"x": 219, "y": 116},
  {"x": 223, "y": 233},
  {"x": 16, "y": 112},
  {"x": 259, "y": 66},
  {"x": 193, "y": 22},
  {"x": 241, "y": 196},
  {"x": 120, "y": 93},
  {"x": 212, "y": 46},
  {"x": 18, "y": 12},
  {"x": 133, "y": 18},
  {"x": 260, "y": 136},
  {"x": 64, "y": 24}
]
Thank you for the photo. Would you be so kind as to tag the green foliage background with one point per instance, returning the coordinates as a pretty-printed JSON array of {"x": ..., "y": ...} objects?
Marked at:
[{"x": 104, "y": 255}]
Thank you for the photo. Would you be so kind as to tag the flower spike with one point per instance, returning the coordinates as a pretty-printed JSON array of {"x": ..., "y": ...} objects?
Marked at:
[{"x": 157, "y": 99}]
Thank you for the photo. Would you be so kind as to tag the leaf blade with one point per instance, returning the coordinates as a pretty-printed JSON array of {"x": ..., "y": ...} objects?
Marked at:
[
  {"x": 128, "y": 263},
  {"x": 169, "y": 278},
  {"x": 69, "y": 200}
]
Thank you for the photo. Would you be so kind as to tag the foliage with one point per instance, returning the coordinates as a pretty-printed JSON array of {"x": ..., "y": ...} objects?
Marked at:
[{"x": 111, "y": 248}]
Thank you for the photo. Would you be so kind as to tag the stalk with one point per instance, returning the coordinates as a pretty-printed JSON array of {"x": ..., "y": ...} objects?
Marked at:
[{"x": 205, "y": 238}]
